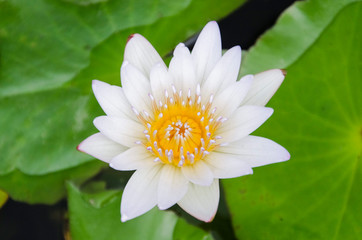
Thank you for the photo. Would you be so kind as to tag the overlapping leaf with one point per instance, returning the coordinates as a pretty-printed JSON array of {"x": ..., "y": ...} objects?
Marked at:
[
  {"x": 3, "y": 198},
  {"x": 96, "y": 216}
]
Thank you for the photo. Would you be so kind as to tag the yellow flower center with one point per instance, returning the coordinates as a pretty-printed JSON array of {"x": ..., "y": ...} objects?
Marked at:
[{"x": 182, "y": 129}]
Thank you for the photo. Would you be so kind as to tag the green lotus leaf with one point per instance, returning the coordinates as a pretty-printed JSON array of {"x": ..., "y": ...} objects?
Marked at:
[{"x": 318, "y": 118}]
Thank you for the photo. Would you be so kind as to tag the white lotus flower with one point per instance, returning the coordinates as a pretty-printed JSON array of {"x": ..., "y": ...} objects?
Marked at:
[{"x": 184, "y": 127}]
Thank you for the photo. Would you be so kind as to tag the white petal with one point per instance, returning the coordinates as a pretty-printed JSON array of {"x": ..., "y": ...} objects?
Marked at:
[
  {"x": 101, "y": 147},
  {"x": 172, "y": 186},
  {"x": 229, "y": 99},
  {"x": 140, "y": 53},
  {"x": 244, "y": 121},
  {"x": 136, "y": 87},
  {"x": 201, "y": 202},
  {"x": 120, "y": 130},
  {"x": 160, "y": 81},
  {"x": 256, "y": 151},
  {"x": 264, "y": 86},
  {"x": 198, "y": 173},
  {"x": 227, "y": 166},
  {"x": 225, "y": 72},
  {"x": 112, "y": 100},
  {"x": 207, "y": 50},
  {"x": 140, "y": 193},
  {"x": 182, "y": 69},
  {"x": 132, "y": 159}
]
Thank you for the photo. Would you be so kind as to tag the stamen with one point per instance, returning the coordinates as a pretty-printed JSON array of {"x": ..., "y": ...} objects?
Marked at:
[
  {"x": 198, "y": 90},
  {"x": 181, "y": 150},
  {"x": 135, "y": 111},
  {"x": 192, "y": 158},
  {"x": 151, "y": 97},
  {"x": 160, "y": 152},
  {"x": 170, "y": 156},
  {"x": 182, "y": 161},
  {"x": 202, "y": 142},
  {"x": 146, "y": 113},
  {"x": 148, "y": 137},
  {"x": 211, "y": 98}
]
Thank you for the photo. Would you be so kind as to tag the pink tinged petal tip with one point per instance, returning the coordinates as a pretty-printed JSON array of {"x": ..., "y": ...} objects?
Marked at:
[{"x": 130, "y": 37}]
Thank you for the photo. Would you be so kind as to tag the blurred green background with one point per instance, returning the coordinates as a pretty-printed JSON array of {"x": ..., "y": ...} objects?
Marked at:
[{"x": 50, "y": 50}]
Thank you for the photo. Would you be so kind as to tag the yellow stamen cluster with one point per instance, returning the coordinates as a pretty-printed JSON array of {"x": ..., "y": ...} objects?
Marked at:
[{"x": 181, "y": 130}]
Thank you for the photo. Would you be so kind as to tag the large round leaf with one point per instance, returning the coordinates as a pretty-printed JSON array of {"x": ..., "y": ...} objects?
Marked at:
[{"x": 318, "y": 118}]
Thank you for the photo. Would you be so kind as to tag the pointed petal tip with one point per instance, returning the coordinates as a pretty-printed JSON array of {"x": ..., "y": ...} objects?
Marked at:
[
  {"x": 130, "y": 37},
  {"x": 124, "y": 64},
  {"x": 78, "y": 148},
  {"x": 95, "y": 81},
  {"x": 96, "y": 84},
  {"x": 212, "y": 24},
  {"x": 212, "y": 27},
  {"x": 284, "y": 72},
  {"x": 162, "y": 207},
  {"x": 269, "y": 110},
  {"x": 211, "y": 219},
  {"x": 236, "y": 48},
  {"x": 124, "y": 218},
  {"x": 287, "y": 155}
]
